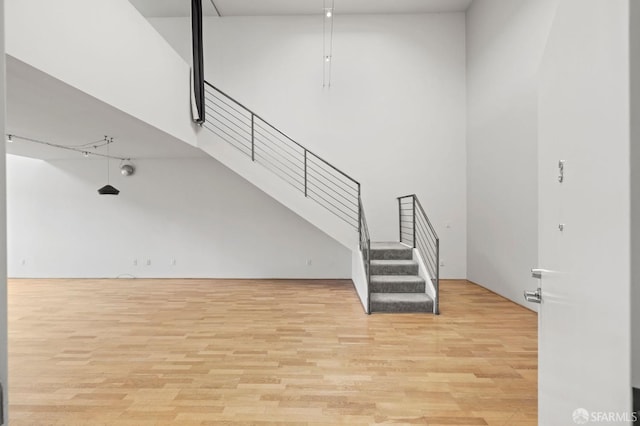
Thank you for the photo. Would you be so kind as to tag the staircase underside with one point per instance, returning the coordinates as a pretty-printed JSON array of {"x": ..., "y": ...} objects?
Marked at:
[{"x": 395, "y": 284}]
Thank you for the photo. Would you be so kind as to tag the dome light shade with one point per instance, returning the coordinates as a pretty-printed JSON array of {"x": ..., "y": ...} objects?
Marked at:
[
  {"x": 127, "y": 169},
  {"x": 108, "y": 190}
]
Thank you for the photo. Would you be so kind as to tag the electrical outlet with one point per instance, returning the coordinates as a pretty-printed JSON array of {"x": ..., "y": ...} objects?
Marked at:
[
  {"x": 23, "y": 262},
  {"x": 309, "y": 262},
  {"x": 441, "y": 262},
  {"x": 173, "y": 262},
  {"x": 135, "y": 262},
  {"x": 148, "y": 262}
]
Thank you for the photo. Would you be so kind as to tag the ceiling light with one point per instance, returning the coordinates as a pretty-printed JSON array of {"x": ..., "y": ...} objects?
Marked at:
[
  {"x": 127, "y": 169},
  {"x": 327, "y": 35},
  {"x": 108, "y": 189}
]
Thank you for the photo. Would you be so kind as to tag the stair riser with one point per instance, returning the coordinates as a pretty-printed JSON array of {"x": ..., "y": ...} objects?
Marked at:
[
  {"x": 408, "y": 287},
  {"x": 401, "y": 307},
  {"x": 377, "y": 254},
  {"x": 394, "y": 269}
]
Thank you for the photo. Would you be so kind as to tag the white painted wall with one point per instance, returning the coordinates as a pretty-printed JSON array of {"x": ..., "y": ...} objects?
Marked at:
[
  {"x": 635, "y": 189},
  {"x": 108, "y": 50},
  {"x": 4, "y": 370},
  {"x": 505, "y": 43},
  {"x": 196, "y": 211},
  {"x": 394, "y": 117}
]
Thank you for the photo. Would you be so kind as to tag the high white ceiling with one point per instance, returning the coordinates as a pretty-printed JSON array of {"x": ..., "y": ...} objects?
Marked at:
[
  {"x": 172, "y": 8},
  {"x": 43, "y": 108}
]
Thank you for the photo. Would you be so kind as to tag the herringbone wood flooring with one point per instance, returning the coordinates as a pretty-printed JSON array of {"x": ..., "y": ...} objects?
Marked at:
[{"x": 147, "y": 352}]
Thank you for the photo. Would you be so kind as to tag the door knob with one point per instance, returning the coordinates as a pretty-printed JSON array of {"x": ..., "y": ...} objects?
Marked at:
[{"x": 533, "y": 296}]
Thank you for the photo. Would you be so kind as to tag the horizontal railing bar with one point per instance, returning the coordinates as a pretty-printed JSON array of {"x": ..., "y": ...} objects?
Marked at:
[
  {"x": 351, "y": 180},
  {"x": 229, "y": 142},
  {"x": 431, "y": 250},
  {"x": 419, "y": 206},
  {"x": 292, "y": 158},
  {"x": 333, "y": 198},
  {"x": 426, "y": 229},
  {"x": 277, "y": 155},
  {"x": 214, "y": 96},
  {"x": 275, "y": 140},
  {"x": 261, "y": 154},
  {"x": 320, "y": 168},
  {"x": 348, "y": 181},
  {"x": 245, "y": 138},
  {"x": 420, "y": 231},
  {"x": 427, "y": 254},
  {"x": 259, "y": 122},
  {"x": 240, "y": 122},
  {"x": 350, "y": 197},
  {"x": 340, "y": 199},
  {"x": 225, "y": 96},
  {"x": 311, "y": 191},
  {"x": 279, "y": 131},
  {"x": 295, "y": 156},
  {"x": 222, "y": 130},
  {"x": 211, "y": 114},
  {"x": 275, "y": 149}
]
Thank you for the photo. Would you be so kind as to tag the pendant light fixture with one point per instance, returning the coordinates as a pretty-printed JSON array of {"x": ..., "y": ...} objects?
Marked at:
[
  {"x": 108, "y": 189},
  {"x": 327, "y": 35}
]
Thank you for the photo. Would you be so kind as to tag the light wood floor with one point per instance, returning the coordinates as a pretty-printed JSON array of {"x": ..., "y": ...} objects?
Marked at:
[{"x": 143, "y": 352}]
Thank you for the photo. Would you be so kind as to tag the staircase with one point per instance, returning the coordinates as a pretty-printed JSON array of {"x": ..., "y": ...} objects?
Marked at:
[
  {"x": 386, "y": 276},
  {"x": 394, "y": 281}
]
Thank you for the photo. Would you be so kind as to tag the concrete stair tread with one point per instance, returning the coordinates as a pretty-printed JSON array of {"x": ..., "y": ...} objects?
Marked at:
[
  {"x": 390, "y": 251},
  {"x": 396, "y": 279},
  {"x": 399, "y": 262},
  {"x": 382, "y": 245},
  {"x": 401, "y": 302},
  {"x": 401, "y": 297}
]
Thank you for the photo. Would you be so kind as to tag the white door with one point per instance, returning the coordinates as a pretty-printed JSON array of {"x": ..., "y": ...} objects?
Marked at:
[{"x": 584, "y": 325}]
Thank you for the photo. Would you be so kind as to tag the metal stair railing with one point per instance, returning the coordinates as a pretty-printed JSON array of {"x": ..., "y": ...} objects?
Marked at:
[
  {"x": 365, "y": 248},
  {"x": 301, "y": 168},
  {"x": 417, "y": 231}
]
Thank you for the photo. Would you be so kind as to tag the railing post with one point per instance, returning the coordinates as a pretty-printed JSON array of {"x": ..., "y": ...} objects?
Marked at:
[
  {"x": 414, "y": 221},
  {"x": 305, "y": 172},
  {"x": 436, "y": 302},
  {"x": 360, "y": 216},
  {"x": 400, "y": 218},
  {"x": 253, "y": 139}
]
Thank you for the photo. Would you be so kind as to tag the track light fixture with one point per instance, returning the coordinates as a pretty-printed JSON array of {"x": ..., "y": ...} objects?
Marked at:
[
  {"x": 108, "y": 189},
  {"x": 327, "y": 31}
]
